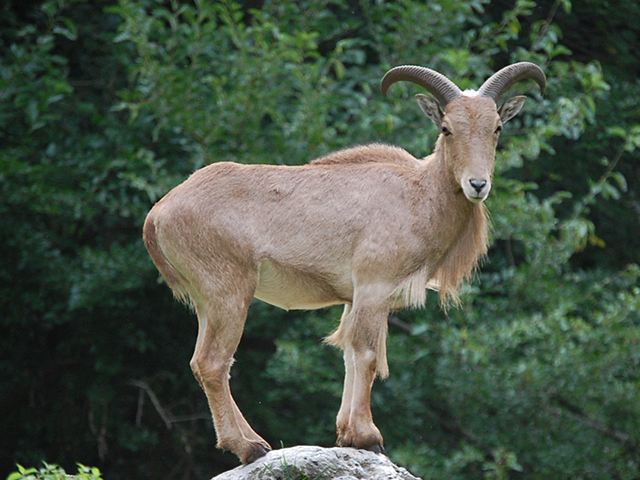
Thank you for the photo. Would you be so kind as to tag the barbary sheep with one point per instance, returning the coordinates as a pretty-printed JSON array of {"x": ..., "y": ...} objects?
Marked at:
[{"x": 369, "y": 227}]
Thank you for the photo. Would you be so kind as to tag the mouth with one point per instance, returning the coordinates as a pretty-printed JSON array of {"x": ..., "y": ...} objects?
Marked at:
[{"x": 476, "y": 199}]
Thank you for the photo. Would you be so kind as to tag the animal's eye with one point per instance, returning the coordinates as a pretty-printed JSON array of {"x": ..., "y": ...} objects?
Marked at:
[
  {"x": 498, "y": 129},
  {"x": 445, "y": 130}
]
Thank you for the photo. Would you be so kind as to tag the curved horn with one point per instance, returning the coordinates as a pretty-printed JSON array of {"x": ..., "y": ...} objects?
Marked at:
[
  {"x": 443, "y": 89},
  {"x": 499, "y": 82}
]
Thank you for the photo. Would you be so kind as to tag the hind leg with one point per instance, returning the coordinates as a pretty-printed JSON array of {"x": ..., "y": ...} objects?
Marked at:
[{"x": 221, "y": 318}]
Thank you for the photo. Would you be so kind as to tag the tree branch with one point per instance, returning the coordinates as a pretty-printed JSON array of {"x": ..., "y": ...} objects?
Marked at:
[{"x": 566, "y": 408}]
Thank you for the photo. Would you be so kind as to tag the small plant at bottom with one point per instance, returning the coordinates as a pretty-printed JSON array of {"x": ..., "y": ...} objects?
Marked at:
[
  {"x": 292, "y": 472},
  {"x": 55, "y": 472}
]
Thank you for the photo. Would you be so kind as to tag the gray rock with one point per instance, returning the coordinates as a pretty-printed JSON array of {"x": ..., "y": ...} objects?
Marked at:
[{"x": 318, "y": 463}]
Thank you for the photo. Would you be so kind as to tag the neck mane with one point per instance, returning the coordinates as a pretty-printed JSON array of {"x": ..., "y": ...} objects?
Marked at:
[{"x": 460, "y": 260}]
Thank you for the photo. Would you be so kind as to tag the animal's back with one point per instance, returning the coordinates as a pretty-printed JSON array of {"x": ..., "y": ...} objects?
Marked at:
[{"x": 372, "y": 153}]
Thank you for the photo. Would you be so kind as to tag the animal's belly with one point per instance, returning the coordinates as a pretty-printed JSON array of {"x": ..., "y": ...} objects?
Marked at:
[{"x": 291, "y": 289}]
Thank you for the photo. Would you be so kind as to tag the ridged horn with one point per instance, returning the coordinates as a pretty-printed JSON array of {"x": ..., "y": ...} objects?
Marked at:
[
  {"x": 499, "y": 82},
  {"x": 443, "y": 89}
]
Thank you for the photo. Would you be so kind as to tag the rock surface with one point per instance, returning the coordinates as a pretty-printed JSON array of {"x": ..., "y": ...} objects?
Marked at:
[{"x": 318, "y": 463}]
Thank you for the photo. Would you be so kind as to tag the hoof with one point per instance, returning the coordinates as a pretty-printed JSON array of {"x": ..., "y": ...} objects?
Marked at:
[
  {"x": 251, "y": 452},
  {"x": 375, "y": 448},
  {"x": 258, "y": 452},
  {"x": 372, "y": 444}
]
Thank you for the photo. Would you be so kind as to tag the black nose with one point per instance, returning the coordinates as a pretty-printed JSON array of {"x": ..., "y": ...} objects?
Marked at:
[{"x": 478, "y": 185}]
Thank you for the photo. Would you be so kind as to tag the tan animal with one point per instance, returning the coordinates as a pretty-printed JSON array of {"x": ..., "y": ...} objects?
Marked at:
[{"x": 369, "y": 227}]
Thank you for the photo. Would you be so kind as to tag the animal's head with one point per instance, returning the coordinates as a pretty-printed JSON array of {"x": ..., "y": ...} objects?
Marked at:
[{"x": 470, "y": 122}]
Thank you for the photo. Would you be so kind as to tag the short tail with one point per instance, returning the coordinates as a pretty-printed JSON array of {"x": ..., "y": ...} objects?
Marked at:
[{"x": 176, "y": 281}]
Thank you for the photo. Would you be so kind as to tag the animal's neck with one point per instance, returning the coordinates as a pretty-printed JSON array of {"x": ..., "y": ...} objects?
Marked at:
[{"x": 462, "y": 225}]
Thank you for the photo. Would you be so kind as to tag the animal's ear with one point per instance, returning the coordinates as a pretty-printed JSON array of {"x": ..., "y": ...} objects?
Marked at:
[
  {"x": 430, "y": 108},
  {"x": 511, "y": 107}
]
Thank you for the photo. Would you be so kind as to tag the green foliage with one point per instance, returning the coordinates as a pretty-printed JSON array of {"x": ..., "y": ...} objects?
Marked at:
[
  {"x": 54, "y": 472},
  {"x": 105, "y": 106}
]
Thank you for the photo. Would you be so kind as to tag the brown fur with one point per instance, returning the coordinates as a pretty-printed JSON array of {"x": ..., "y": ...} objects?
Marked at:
[
  {"x": 174, "y": 279},
  {"x": 461, "y": 260},
  {"x": 375, "y": 152},
  {"x": 369, "y": 227}
]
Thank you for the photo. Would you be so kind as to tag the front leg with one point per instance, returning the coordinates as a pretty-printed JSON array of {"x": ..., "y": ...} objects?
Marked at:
[
  {"x": 342, "y": 420},
  {"x": 363, "y": 333}
]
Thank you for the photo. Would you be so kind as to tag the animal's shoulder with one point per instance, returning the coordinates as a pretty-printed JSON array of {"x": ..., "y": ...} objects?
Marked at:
[{"x": 373, "y": 153}]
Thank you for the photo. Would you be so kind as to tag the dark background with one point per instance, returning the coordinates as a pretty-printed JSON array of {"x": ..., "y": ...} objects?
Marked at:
[{"x": 105, "y": 105}]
